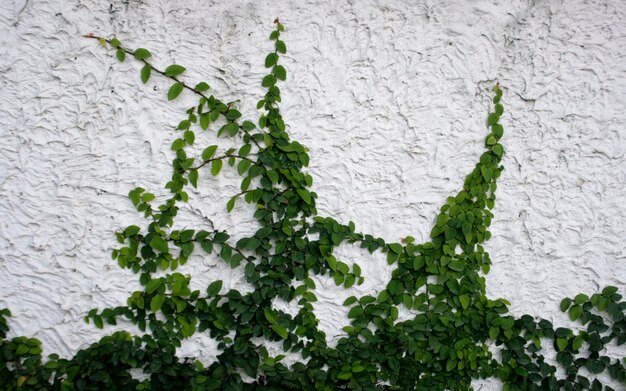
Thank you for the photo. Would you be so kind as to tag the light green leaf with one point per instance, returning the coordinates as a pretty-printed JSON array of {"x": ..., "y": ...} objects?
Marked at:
[
  {"x": 145, "y": 73},
  {"x": 159, "y": 244},
  {"x": 306, "y": 196},
  {"x": 174, "y": 70},
  {"x": 575, "y": 311},
  {"x": 465, "y": 301},
  {"x": 157, "y": 302},
  {"x": 174, "y": 91},
  {"x": 193, "y": 178},
  {"x": 280, "y": 330},
  {"x": 396, "y": 248},
  {"x": 243, "y": 166},
  {"x": 269, "y": 315},
  {"x": 231, "y": 203},
  {"x": 120, "y": 54},
  {"x": 561, "y": 343},
  {"x": 209, "y": 152},
  {"x": 153, "y": 285},
  {"x": 202, "y": 86},
  {"x": 216, "y": 166},
  {"x": 142, "y": 54}
]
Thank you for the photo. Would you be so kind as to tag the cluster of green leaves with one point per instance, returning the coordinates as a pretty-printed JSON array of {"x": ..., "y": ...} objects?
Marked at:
[{"x": 441, "y": 282}]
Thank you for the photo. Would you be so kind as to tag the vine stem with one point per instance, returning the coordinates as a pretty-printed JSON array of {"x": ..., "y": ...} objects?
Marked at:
[
  {"x": 132, "y": 53},
  {"x": 143, "y": 60},
  {"x": 221, "y": 158}
]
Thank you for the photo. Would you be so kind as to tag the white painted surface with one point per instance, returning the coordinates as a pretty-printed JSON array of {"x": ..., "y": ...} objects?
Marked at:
[{"x": 390, "y": 97}]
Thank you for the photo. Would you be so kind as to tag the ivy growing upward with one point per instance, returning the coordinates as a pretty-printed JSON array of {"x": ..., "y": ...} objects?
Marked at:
[{"x": 440, "y": 282}]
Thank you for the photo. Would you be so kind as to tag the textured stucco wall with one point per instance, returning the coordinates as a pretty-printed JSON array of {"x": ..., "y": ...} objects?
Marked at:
[{"x": 390, "y": 97}]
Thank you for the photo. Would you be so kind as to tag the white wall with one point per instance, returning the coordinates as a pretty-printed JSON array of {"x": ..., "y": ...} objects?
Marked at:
[{"x": 390, "y": 97}]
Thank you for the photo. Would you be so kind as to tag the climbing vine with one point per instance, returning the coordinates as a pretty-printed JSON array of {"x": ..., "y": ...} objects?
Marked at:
[{"x": 441, "y": 282}]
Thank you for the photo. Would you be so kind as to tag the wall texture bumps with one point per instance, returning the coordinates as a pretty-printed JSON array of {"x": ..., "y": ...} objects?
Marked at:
[{"x": 391, "y": 99}]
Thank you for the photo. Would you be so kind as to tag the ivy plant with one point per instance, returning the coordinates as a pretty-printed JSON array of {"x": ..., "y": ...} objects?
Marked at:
[{"x": 441, "y": 282}]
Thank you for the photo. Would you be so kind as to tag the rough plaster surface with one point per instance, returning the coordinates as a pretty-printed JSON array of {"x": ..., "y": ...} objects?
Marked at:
[{"x": 390, "y": 97}]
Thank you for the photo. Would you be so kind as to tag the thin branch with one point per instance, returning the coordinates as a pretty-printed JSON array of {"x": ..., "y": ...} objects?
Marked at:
[{"x": 143, "y": 60}]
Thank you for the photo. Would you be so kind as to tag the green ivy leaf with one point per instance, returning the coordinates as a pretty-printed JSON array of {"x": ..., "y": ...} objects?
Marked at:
[
  {"x": 193, "y": 178},
  {"x": 280, "y": 330},
  {"x": 179, "y": 143},
  {"x": 269, "y": 315},
  {"x": 349, "y": 281},
  {"x": 153, "y": 285},
  {"x": 131, "y": 230},
  {"x": 271, "y": 60},
  {"x": 142, "y": 54},
  {"x": 281, "y": 47},
  {"x": 174, "y": 91},
  {"x": 486, "y": 173},
  {"x": 609, "y": 291},
  {"x": 497, "y": 150},
  {"x": 305, "y": 195},
  {"x": 216, "y": 166},
  {"x": 280, "y": 72},
  {"x": 268, "y": 81},
  {"x": 355, "y": 312},
  {"x": 209, "y": 152},
  {"x": 189, "y": 137},
  {"x": 499, "y": 109},
  {"x": 247, "y": 126},
  {"x": 561, "y": 343},
  {"x": 232, "y": 115},
  {"x": 565, "y": 303},
  {"x": 214, "y": 288},
  {"x": 174, "y": 70},
  {"x": 156, "y": 303},
  {"x": 159, "y": 244},
  {"x": 145, "y": 73},
  {"x": 97, "y": 321},
  {"x": 231, "y": 203},
  {"x": 202, "y": 86},
  {"x": 575, "y": 311},
  {"x": 396, "y": 248},
  {"x": 465, "y": 301},
  {"x": 120, "y": 54},
  {"x": 243, "y": 166}
]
